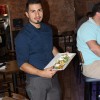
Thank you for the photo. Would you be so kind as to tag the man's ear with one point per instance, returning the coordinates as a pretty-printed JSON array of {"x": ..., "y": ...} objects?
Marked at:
[
  {"x": 26, "y": 13},
  {"x": 98, "y": 13}
]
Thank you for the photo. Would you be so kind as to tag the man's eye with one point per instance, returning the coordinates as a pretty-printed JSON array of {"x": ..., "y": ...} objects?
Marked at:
[
  {"x": 40, "y": 10},
  {"x": 33, "y": 11}
]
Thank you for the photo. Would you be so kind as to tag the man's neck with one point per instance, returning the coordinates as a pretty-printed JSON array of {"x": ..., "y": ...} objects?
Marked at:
[
  {"x": 96, "y": 19},
  {"x": 38, "y": 26}
]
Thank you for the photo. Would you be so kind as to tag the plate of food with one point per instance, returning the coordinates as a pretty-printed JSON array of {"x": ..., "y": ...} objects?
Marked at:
[{"x": 61, "y": 61}]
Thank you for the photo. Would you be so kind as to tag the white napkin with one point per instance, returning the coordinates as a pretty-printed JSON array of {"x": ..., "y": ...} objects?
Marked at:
[
  {"x": 3, "y": 67},
  {"x": 0, "y": 98}
]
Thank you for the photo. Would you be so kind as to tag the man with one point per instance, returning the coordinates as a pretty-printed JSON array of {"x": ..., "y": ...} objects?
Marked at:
[
  {"x": 88, "y": 42},
  {"x": 82, "y": 20},
  {"x": 34, "y": 50}
]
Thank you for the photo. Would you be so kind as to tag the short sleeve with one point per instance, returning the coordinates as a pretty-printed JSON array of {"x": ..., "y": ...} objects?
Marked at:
[
  {"x": 88, "y": 33},
  {"x": 22, "y": 50}
]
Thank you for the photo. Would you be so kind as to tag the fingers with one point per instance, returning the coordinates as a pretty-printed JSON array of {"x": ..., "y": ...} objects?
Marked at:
[
  {"x": 67, "y": 52},
  {"x": 49, "y": 69},
  {"x": 49, "y": 73}
]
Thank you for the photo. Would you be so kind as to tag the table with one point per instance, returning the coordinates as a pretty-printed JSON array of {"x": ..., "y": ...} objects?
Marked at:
[
  {"x": 12, "y": 68},
  {"x": 7, "y": 98}
]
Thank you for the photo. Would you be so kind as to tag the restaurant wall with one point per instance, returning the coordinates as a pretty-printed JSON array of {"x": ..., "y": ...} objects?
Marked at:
[
  {"x": 16, "y": 8},
  {"x": 61, "y": 13},
  {"x": 83, "y": 6}
]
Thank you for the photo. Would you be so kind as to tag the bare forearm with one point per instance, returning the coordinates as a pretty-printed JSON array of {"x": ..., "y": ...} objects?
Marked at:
[
  {"x": 96, "y": 50},
  {"x": 28, "y": 68},
  {"x": 94, "y": 47}
]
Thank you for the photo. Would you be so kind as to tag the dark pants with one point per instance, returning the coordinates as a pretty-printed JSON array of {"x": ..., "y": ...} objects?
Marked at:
[{"x": 39, "y": 88}]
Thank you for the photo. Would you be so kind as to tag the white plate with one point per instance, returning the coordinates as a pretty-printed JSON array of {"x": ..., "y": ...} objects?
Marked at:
[
  {"x": 0, "y": 98},
  {"x": 53, "y": 61}
]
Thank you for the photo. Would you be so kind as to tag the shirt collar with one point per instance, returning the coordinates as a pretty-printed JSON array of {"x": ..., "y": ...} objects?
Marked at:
[{"x": 91, "y": 20}]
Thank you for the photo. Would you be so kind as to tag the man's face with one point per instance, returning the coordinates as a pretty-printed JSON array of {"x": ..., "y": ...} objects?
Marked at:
[{"x": 35, "y": 13}]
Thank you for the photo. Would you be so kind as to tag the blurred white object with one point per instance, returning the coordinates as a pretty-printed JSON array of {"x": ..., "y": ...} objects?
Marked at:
[
  {"x": 0, "y": 39},
  {"x": 3, "y": 67}
]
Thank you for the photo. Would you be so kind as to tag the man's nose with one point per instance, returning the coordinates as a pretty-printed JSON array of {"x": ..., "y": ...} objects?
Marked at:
[{"x": 37, "y": 13}]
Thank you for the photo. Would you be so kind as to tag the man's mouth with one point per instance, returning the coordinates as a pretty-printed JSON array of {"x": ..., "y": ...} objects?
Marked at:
[{"x": 38, "y": 19}]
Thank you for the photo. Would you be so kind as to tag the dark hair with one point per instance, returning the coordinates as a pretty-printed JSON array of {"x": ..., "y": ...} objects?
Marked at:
[
  {"x": 96, "y": 8},
  {"x": 31, "y": 2},
  {"x": 89, "y": 14}
]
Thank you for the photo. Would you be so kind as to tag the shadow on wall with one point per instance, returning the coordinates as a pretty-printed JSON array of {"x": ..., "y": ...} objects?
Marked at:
[
  {"x": 46, "y": 11},
  {"x": 54, "y": 28}
]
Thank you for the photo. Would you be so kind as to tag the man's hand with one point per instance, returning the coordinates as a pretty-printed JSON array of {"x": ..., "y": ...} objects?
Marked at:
[{"x": 48, "y": 72}]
